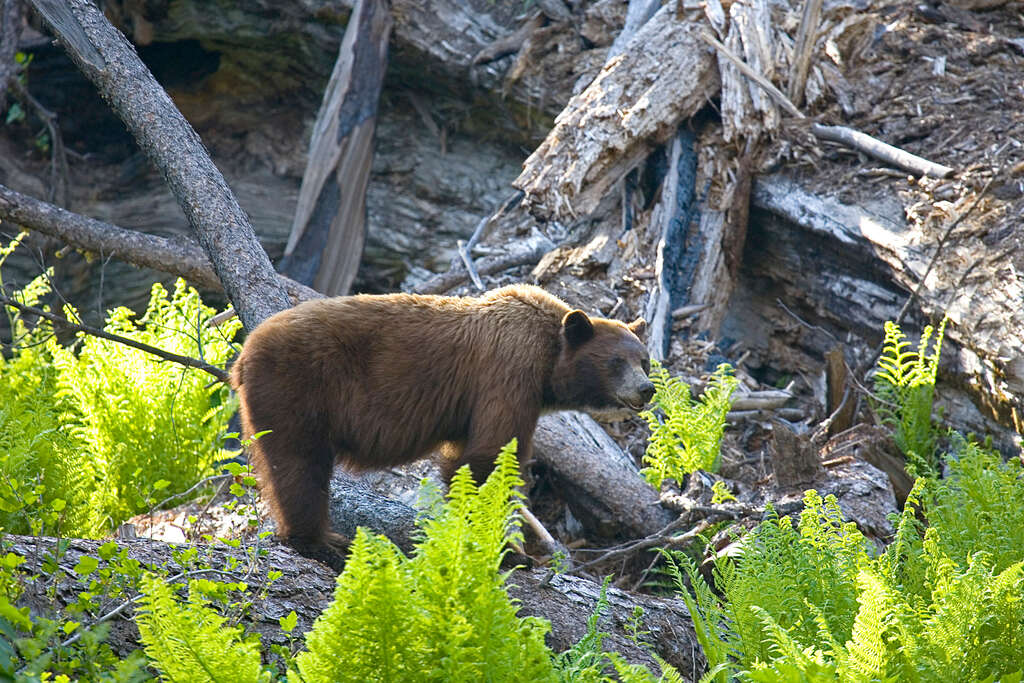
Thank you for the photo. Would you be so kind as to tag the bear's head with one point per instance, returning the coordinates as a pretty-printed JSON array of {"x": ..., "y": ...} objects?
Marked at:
[{"x": 602, "y": 365}]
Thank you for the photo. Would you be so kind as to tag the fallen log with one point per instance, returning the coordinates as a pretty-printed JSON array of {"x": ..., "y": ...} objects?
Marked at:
[
  {"x": 868, "y": 262},
  {"x": 306, "y": 587},
  {"x": 637, "y": 102},
  {"x": 605, "y": 490}
]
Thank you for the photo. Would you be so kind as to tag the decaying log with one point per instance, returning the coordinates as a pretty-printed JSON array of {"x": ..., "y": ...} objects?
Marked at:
[
  {"x": 607, "y": 492},
  {"x": 307, "y": 588},
  {"x": 328, "y": 231},
  {"x": 867, "y": 261},
  {"x": 637, "y": 101},
  {"x": 111, "y": 63},
  {"x": 178, "y": 257}
]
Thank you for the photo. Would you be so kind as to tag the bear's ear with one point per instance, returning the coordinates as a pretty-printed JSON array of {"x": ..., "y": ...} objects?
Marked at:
[
  {"x": 577, "y": 327},
  {"x": 638, "y": 326}
]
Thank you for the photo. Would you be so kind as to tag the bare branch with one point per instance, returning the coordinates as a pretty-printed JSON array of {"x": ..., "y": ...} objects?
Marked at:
[
  {"x": 178, "y": 257},
  {"x": 187, "y": 361}
]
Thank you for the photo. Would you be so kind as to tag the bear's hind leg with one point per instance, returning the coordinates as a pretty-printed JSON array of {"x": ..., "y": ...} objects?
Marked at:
[{"x": 294, "y": 469}]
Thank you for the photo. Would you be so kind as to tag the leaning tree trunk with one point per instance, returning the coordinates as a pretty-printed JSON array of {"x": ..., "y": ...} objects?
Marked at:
[{"x": 111, "y": 63}]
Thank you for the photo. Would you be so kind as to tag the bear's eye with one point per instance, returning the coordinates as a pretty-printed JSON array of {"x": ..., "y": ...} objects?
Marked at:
[
  {"x": 616, "y": 364},
  {"x": 646, "y": 365}
]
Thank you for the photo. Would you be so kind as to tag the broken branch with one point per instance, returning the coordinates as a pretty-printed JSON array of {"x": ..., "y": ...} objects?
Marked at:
[
  {"x": 178, "y": 257},
  {"x": 854, "y": 139}
]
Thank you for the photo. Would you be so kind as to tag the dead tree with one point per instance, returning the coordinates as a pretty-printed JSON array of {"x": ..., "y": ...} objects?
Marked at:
[{"x": 326, "y": 242}]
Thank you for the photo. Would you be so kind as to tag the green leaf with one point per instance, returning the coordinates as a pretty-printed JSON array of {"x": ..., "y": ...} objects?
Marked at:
[
  {"x": 288, "y": 622},
  {"x": 86, "y": 565}
]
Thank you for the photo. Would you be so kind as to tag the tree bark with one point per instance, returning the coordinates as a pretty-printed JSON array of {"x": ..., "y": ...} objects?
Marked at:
[
  {"x": 111, "y": 63},
  {"x": 307, "y": 587}
]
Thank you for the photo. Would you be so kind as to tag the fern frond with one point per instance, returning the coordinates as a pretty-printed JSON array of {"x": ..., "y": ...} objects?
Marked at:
[
  {"x": 686, "y": 435},
  {"x": 444, "y": 614},
  {"x": 189, "y": 642}
]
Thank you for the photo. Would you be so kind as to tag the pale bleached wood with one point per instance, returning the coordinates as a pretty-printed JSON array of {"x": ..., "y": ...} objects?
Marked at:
[{"x": 637, "y": 101}]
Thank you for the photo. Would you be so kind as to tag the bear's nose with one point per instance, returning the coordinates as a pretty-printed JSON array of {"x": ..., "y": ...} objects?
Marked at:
[{"x": 647, "y": 392}]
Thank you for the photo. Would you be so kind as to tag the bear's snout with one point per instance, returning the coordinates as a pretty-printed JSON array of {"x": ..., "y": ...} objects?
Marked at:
[{"x": 647, "y": 392}]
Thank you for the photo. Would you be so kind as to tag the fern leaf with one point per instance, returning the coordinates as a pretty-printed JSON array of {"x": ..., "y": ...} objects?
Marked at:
[{"x": 190, "y": 642}]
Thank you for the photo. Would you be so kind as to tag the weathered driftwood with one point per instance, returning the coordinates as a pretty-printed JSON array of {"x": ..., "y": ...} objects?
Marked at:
[
  {"x": 175, "y": 148},
  {"x": 307, "y": 587},
  {"x": 637, "y": 101},
  {"x": 869, "y": 260},
  {"x": 604, "y": 488},
  {"x": 178, "y": 257},
  {"x": 329, "y": 228}
]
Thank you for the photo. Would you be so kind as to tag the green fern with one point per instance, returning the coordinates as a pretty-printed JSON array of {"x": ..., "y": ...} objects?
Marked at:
[
  {"x": 904, "y": 383},
  {"x": 188, "y": 642},
  {"x": 443, "y": 615},
  {"x": 585, "y": 660},
  {"x": 92, "y": 428},
  {"x": 811, "y": 604},
  {"x": 707, "y": 614},
  {"x": 145, "y": 419},
  {"x": 977, "y": 505},
  {"x": 686, "y": 435}
]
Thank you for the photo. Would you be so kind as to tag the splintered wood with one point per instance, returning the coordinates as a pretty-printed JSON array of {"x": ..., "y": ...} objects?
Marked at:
[{"x": 637, "y": 101}]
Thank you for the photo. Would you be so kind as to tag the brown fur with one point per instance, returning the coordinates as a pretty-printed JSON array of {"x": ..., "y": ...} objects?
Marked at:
[{"x": 376, "y": 381}]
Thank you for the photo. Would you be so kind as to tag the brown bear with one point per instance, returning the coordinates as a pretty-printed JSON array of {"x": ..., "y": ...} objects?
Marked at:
[{"x": 373, "y": 381}]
